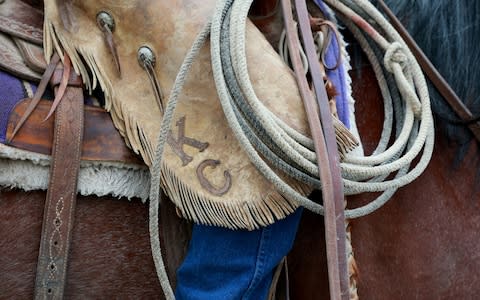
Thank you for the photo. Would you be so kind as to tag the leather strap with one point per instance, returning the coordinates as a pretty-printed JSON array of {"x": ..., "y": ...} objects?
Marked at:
[
  {"x": 336, "y": 229},
  {"x": 432, "y": 73},
  {"x": 325, "y": 148},
  {"x": 60, "y": 205},
  {"x": 332, "y": 153},
  {"x": 280, "y": 288}
]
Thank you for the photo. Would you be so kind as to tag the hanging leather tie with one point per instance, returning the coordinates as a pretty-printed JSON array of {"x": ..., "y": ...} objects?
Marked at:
[
  {"x": 327, "y": 28},
  {"x": 107, "y": 25},
  {"x": 331, "y": 28},
  {"x": 42, "y": 86},
  {"x": 146, "y": 58},
  {"x": 67, "y": 67}
]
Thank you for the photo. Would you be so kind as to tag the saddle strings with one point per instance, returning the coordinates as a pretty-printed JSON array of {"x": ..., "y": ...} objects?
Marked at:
[
  {"x": 67, "y": 66},
  {"x": 147, "y": 60},
  {"x": 106, "y": 24},
  {"x": 42, "y": 86}
]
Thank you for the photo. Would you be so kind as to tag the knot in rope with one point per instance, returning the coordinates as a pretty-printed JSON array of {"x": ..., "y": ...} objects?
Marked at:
[
  {"x": 396, "y": 62},
  {"x": 395, "y": 54}
]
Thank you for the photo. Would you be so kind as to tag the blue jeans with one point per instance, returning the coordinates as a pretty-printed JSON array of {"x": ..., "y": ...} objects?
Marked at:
[{"x": 229, "y": 264}]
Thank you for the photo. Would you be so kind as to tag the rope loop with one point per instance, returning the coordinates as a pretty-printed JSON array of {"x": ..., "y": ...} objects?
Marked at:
[
  {"x": 407, "y": 90},
  {"x": 406, "y": 103}
]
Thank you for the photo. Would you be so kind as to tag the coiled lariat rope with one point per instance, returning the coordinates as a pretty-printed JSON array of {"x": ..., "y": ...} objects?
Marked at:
[
  {"x": 259, "y": 131},
  {"x": 417, "y": 130}
]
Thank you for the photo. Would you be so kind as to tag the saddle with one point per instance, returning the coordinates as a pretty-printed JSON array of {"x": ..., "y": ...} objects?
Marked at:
[{"x": 22, "y": 55}]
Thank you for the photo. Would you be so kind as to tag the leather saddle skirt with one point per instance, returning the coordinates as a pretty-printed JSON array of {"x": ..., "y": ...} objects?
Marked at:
[{"x": 205, "y": 172}]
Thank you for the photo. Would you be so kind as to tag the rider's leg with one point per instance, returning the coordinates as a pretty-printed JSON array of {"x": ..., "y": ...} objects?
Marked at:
[{"x": 234, "y": 264}]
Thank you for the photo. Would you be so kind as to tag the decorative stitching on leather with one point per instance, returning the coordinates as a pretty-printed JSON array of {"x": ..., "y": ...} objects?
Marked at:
[
  {"x": 52, "y": 266},
  {"x": 55, "y": 243},
  {"x": 73, "y": 183},
  {"x": 7, "y": 54}
]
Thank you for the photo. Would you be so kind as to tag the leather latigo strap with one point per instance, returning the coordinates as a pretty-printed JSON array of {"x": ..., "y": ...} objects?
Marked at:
[
  {"x": 325, "y": 147},
  {"x": 432, "y": 73},
  {"x": 61, "y": 196}
]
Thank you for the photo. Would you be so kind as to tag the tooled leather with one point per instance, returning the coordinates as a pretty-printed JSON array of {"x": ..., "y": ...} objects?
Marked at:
[
  {"x": 21, "y": 39},
  {"x": 12, "y": 61},
  {"x": 21, "y": 20},
  {"x": 61, "y": 197},
  {"x": 32, "y": 55}
]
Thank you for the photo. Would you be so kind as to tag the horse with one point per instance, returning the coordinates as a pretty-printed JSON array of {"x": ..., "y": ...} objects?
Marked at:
[{"x": 414, "y": 256}]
